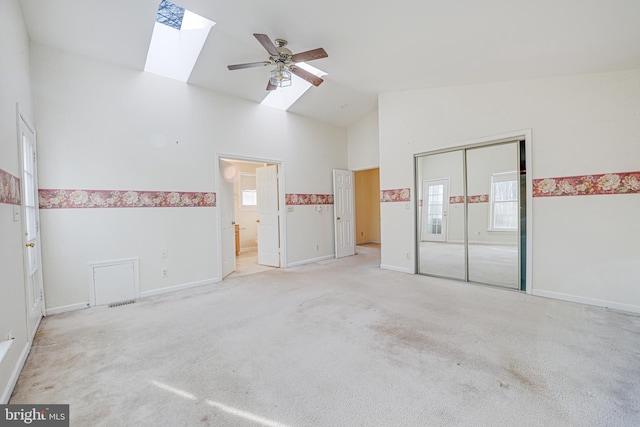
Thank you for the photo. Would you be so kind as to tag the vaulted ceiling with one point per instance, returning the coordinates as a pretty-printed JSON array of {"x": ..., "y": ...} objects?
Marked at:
[{"x": 374, "y": 46}]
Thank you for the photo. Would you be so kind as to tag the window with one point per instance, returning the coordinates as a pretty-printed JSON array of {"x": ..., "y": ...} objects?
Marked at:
[
  {"x": 283, "y": 98},
  {"x": 177, "y": 39},
  {"x": 504, "y": 202},
  {"x": 248, "y": 196},
  {"x": 170, "y": 14}
]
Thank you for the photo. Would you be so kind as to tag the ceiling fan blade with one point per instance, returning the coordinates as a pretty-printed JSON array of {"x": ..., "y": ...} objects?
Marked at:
[
  {"x": 304, "y": 74},
  {"x": 271, "y": 86},
  {"x": 266, "y": 42},
  {"x": 309, "y": 55},
  {"x": 249, "y": 65}
]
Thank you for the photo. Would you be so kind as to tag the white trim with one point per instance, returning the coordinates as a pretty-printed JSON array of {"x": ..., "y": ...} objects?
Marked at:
[
  {"x": 174, "y": 288},
  {"x": 529, "y": 195},
  {"x": 365, "y": 168},
  {"x": 136, "y": 276},
  {"x": 13, "y": 379},
  {"x": 311, "y": 260},
  {"x": 144, "y": 294},
  {"x": 586, "y": 300},
  {"x": 66, "y": 308},
  {"x": 398, "y": 269}
]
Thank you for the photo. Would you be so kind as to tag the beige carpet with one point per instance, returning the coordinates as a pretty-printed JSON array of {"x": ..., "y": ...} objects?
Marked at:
[{"x": 339, "y": 343}]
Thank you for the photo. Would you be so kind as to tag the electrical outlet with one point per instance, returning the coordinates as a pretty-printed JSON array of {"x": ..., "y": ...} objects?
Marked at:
[
  {"x": 317, "y": 247},
  {"x": 164, "y": 253},
  {"x": 408, "y": 255},
  {"x": 165, "y": 272}
]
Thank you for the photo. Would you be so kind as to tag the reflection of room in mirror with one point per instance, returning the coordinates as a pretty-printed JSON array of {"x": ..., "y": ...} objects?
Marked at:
[{"x": 468, "y": 220}]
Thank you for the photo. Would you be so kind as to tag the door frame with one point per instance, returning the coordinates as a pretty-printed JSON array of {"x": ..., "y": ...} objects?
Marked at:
[
  {"x": 219, "y": 199},
  {"x": 22, "y": 119},
  {"x": 281, "y": 202},
  {"x": 525, "y": 135}
]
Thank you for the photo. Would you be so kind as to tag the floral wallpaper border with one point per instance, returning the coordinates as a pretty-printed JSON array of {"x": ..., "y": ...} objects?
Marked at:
[
  {"x": 308, "y": 199},
  {"x": 478, "y": 198},
  {"x": 9, "y": 188},
  {"x": 588, "y": 185},
  {"x": 396, "y": 195},
  {"x": 69, "y": 199}
]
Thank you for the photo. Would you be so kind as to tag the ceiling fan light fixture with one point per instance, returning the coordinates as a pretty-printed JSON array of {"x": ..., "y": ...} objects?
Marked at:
[{"x": 280, "y": 77}]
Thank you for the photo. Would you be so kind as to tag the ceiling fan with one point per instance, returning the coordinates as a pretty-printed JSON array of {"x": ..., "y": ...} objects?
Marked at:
[{"x": 285, "y": 62}]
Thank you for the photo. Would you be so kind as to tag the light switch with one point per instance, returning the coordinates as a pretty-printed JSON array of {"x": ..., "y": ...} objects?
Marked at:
[
  {"x": 16, "y": 213},
  {"x": 289, "y": 208}
]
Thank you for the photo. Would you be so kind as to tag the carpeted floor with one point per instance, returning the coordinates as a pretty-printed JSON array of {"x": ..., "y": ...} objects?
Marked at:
[{"x": 339, "y": 343}]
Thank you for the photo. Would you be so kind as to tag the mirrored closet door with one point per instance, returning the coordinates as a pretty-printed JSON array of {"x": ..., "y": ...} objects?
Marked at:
[{"x": 468, "y": 219}]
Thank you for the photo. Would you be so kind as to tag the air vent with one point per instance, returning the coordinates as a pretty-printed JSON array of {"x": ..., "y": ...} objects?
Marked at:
[{"x": 118, "y": 304}]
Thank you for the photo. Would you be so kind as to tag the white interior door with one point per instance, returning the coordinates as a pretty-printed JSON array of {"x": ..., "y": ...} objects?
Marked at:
[
  {"x": 435, "y": 210},
  {"x": 268, "y": 216},
  {"x": 31, "y": 228},
  {"x": 343, "y": 199},
  {"x": 227, "y": 217}
]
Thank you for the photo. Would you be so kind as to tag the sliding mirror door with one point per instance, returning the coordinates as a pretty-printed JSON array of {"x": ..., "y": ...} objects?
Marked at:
[
  {"x": 493, "y": 184},
  {"x": 468, "y": 218},
  {"x": 441, "y": 215}
]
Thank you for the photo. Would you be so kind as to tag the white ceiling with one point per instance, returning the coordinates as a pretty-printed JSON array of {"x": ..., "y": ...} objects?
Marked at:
[{"x": 374, "y": 46}]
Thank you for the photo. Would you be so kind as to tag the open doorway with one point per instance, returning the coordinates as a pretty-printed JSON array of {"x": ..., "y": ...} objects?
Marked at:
[
  {"x": 248, "y": 199},
  {"x": 367, "y": 203}
]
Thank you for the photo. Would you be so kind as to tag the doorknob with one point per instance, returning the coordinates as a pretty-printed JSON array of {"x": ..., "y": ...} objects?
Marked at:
[
  {"x": 338, "y": 218},
  {"x": 257, "y": 220},
  {"x": 30, "y": 245}
]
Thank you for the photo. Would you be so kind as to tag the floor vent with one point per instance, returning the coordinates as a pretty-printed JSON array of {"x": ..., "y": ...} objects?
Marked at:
[{"x": 118, "y": 304}]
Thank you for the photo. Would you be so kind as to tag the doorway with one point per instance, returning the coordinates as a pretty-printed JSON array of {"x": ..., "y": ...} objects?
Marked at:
[
  {"x": 249, "y": 200},
  {"x": 472, "y": 216},
  {"x": 367, "y": 204}
]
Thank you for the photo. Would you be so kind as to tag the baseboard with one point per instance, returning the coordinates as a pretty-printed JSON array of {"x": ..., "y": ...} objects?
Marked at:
[
  {"x": 396, "y": 268},
  {"x": 309, "y": 261},
  {"x": 13, "y": 379},
  {"x": 174, "y": 288},
  {"x": 249, "y": 248},
  {"x": 586, "y": 300},
  {"x": 65, "y": 308}
]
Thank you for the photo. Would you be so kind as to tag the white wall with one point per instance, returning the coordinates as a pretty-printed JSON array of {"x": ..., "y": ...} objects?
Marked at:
[
  {"x": 583, "y": 246},
  {"x": 364, "y": 143},
  {"x": 112, "y": 128},
  {"x": 14, "y": 88}
]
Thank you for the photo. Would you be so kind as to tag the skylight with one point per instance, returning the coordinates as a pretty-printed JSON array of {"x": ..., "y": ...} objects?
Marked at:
[
  {"x": 177, "y": 40},
  {"x": 284, "y": 97},
  {"x": 170, "y": 14}
]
